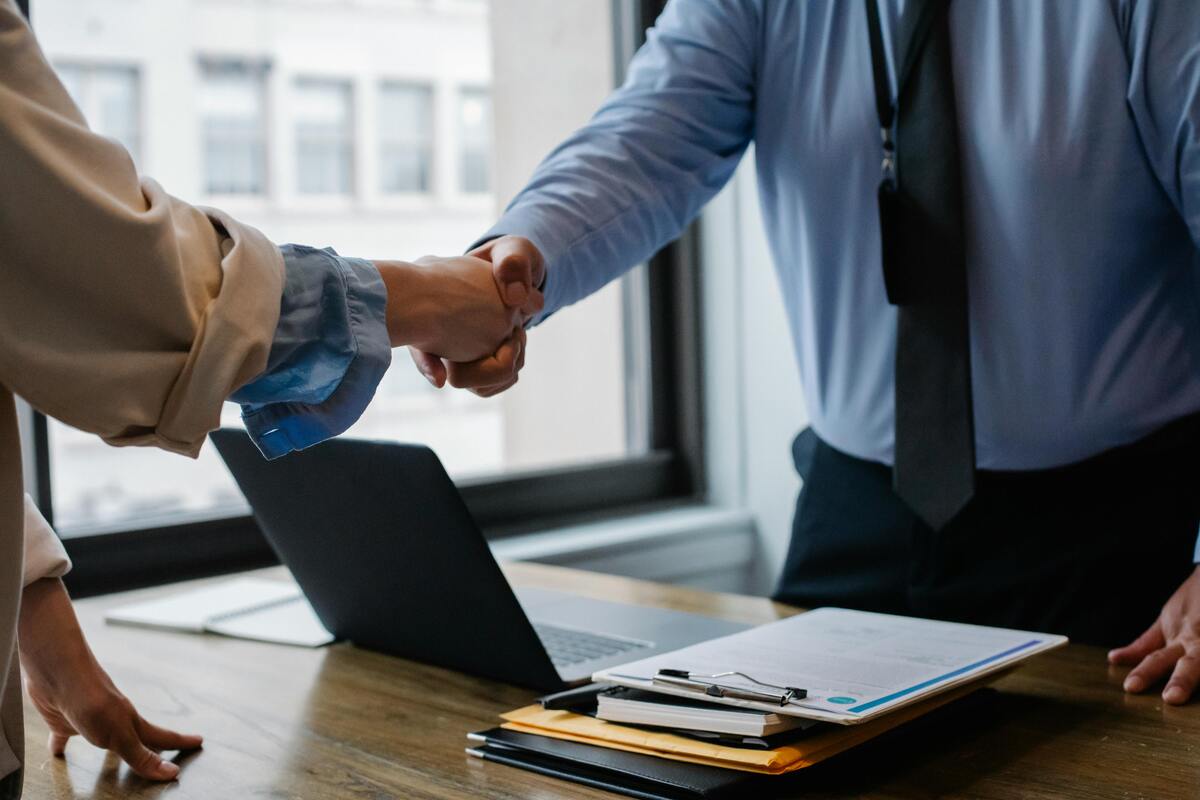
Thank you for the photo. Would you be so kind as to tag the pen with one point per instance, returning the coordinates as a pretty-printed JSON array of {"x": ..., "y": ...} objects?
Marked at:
[{"x": 581, "y": 698}]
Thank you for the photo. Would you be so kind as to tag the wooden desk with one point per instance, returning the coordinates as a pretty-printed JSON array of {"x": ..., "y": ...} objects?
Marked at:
[{"x": 284, "y": 722}]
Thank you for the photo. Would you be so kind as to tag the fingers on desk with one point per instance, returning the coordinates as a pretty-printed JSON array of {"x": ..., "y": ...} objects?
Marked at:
[
  {"x": 1141, "y": 647},
  {"x": 1154, "y": 668},
  {"x": 1183, "y": 679},
  {"x": 138, "y": 747}
]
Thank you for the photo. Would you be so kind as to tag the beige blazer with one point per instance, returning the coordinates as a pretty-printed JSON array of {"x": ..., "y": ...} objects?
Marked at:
[{"x": 123, "y": 311}]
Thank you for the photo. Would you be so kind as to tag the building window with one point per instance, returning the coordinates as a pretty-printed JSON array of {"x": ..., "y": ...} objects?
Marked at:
[
  {"x": 405, "y": 138},
  {"x": 233, "y": 125},
  {"x": 475, "y": 140},
  {"x": 109, "y": 97},
  {"x": 591, "y": 428},
  {"x": 324, "y": 119}
]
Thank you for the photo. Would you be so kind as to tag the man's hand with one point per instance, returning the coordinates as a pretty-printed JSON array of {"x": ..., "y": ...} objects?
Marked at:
[
  {"x": 74, "y": 694},
  {"x": 447, "y": 307},
  {"x": 519, "y": 271},
  {"x": 1170, "y": 645}
]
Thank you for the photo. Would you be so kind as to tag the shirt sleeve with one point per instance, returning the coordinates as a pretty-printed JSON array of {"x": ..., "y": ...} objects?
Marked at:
[
  {"x": 1163, "y": 44},
  {"x": 658, "y": 149},
  {"x": 44, "y": 553},
  {"x": 124, "y": 312},
  {"x": 330, "y": 350}
]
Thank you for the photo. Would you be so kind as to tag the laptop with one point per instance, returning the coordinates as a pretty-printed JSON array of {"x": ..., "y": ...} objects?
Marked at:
[{"x": 379, "y": 539}]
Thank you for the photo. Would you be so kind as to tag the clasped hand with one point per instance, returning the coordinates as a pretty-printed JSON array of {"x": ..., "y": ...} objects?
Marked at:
[
  {"x": 515, "y": 268},
  {"x": 451, "y": 312}
]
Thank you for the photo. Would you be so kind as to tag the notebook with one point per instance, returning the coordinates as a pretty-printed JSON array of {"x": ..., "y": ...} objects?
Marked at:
[
  {"x": 246, "y": 608},
  {"x": 639, "y": 707},
  {"x": 825, "y": 741}
]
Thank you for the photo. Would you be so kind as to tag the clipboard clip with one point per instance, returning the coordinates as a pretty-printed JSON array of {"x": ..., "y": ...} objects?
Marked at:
[{"x": 707, "y": 685}]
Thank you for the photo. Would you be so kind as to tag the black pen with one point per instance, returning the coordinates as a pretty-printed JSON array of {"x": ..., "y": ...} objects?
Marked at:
[{"x": 581, "y": 699}]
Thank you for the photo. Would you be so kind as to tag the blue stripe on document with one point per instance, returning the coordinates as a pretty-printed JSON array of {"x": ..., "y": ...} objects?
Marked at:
[{"x": 858, "y": 709}]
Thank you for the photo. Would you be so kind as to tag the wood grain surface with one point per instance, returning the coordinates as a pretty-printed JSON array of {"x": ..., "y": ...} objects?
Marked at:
[{"x": 339, "y": 722}]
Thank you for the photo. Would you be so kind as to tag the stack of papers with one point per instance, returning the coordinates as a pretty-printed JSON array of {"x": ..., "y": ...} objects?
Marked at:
[
  {"x": 803, "y": 753},
  {"x": 638, "y": 707},
  {"x": 857, "y": 674},
  {"x": 853, "y": 665}
]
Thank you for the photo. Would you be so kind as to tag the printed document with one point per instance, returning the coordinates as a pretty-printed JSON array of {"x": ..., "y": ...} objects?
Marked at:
[{"x": 855, "y": 665}]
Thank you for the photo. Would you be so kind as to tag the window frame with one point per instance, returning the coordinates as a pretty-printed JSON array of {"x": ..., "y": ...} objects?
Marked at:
[{"x": 669, "y": 473}]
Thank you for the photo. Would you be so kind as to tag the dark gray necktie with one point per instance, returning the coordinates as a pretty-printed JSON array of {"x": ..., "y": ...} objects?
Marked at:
[{"x": 925, "y": 266}]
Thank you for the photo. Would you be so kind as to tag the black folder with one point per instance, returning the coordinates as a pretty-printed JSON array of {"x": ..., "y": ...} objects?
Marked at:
[{"x": 631, "y": 774}]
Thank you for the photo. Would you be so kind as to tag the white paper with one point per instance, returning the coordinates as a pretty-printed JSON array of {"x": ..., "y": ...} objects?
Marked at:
[
  {"x": 190, "y": 611},
  {"x": 855, "y": 665},
  {"x": 293, "y": 622}
]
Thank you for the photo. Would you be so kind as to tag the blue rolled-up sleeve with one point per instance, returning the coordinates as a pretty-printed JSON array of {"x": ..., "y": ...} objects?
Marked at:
[{"x": 331, "y": 349}]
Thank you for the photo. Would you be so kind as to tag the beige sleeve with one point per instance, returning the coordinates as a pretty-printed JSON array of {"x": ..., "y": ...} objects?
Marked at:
[
  {"x": 123, "y": 311},
  {"x": 44, "y": 553}
]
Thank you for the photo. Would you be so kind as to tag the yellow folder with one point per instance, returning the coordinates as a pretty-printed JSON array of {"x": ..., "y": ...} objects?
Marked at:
[{"x": 803, "y": 753}]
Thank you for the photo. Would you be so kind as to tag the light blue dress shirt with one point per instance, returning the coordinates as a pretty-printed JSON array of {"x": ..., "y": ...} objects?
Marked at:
[
  {"x": 330, "y": 351},
  {"x": 1080, "y": 143}
]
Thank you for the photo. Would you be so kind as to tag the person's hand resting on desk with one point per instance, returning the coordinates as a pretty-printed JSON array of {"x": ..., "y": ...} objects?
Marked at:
[
  {"x": 518, "y": 270},
  {"x": 1170, "y": 645},
  {"x": 74, "y": 694},
  {"x": 446, "y": 306}
]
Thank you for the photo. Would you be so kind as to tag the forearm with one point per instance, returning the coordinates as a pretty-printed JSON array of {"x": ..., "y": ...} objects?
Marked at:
[
  {"x": 413, "y": 312},
  {"x": 51, "y": 642},
  {"x": 629, "y": 181},
  {"x": 338, "y": 321}
]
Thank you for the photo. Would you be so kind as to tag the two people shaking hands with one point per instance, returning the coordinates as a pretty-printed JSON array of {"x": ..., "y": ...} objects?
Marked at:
[
  {"x": 1076, "y": 340},
  {"x": 133, "y": 315},
  {"x": 469, "y": 330}
]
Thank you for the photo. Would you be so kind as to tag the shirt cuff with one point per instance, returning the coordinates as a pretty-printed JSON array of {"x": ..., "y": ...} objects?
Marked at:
[
  {"x": 330, "y": 351},
  {"x": 1196, "y": 553},
  {"x": 45, "y": 556}
]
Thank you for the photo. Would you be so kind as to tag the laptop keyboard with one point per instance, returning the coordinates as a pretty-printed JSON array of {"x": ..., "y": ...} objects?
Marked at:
[{"x": 567, "y": 646}]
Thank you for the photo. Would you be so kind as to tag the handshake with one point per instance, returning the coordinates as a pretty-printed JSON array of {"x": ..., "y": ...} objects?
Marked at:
[{"x": 463, "y": 318}]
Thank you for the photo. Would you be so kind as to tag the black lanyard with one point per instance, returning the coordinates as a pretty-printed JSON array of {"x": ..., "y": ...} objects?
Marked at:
[{"x": 908, "y": 51}]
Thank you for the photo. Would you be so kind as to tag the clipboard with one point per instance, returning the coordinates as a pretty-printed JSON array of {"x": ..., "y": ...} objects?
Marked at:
[{"x": 850, "y": 666}]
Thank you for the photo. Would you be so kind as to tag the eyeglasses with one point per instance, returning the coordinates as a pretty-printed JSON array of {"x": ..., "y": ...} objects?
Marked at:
[{"x": 706, "y": 685}]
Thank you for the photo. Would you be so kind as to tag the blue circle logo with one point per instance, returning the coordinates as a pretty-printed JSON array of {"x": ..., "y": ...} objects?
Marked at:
[{"x": 842, "y": 701}]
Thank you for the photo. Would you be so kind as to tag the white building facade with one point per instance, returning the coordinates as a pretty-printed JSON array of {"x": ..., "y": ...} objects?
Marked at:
[{"x": 365, "y": 125}]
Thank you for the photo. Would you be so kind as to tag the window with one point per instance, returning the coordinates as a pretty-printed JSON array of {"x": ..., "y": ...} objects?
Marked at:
[
  {"x": 108, "y": 97},
  {"x": 474, "y": 125},
  {"x": 324, "y": 123},
  {"x": 405, "y": 138},
  {"x": 233, "y": 124},
  {"x": 601, "y": 417}
]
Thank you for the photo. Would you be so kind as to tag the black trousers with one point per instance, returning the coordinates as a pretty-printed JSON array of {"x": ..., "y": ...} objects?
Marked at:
[{"x": 1091, "y": 550}]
